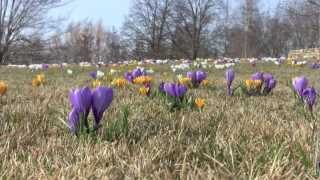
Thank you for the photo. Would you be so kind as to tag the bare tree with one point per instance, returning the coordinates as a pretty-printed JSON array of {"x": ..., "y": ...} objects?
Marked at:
[
  {"x": 18, "y": 17},
  {"x": 146, "y": 24},
  {"x": 190, "y": 21}
]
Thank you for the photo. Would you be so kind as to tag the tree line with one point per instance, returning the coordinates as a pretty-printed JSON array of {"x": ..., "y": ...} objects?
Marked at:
[{"x": 159, "y": 29}]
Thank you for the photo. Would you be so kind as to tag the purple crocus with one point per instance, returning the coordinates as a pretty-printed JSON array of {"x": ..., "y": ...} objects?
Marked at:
[
  {"x": 175, "y": 89},
  {"x": 310, "y": 96},
  {"x": 138, "y": 72},
  {"x": 196, "y": 77},
  {"x": 101, "y": 100},
  {"x": 161, "y": 87},
  {"x": 269, "y": 82},
  {"x": 299, "y": 84},
  {"x": 229, "y": 77},
  {"x": 93, "y": 74},
  {"x": 266, "y": 77},
  {"x": 81, "y": 103},
  {"x": 257, "y": 76},
  {"x": 45, "y": 67},
  {"x": 74, "y": 120},
  {"x": 81, "y": 100},
  {"x": 315, "y": 66},
  {"x": 128, "y": 76}
]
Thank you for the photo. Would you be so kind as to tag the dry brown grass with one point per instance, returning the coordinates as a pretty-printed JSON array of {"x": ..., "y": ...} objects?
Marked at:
[{"x": 234, "y": 137}]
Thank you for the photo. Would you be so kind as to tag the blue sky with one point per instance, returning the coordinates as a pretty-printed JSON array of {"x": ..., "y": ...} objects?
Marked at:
[{"x": 111, "y": 12}]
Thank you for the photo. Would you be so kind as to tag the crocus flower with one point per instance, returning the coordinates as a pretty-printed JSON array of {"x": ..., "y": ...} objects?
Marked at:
[
  {"x": 161, "y": 87},
  {"x": 101, "y": 100},
  {"x": 200, "y": 103},
  {"x": 81, "y": 101},
  {"x": 128, "y": 76},
  {"x": 74, "y": 120},
  {"x": 257, "y": 76},
  {"x": 310, "y": 96},
  {"x": 315, "y": 66},
  {"x": 100, "y": 74},
  {"x": 229, "y": 77},
  {"x": 269, "y": 82},
  {"x": 175, "y": 89},
  {"x": 3, "y": 88},
  {"x": 299, "y": 84},
  {"x": 196, "y": 77},
  {"x": 45, "y": 67},
  {"x": 119, "y": 82},
  {"x": 145, "y": 90},
  {"x": 69, "y": 71},
  {"x": 40, "y": 79},
  {"x": 267, "y": 77},
  {"x": 93, "y": 74},
  {"x": 136, "y": 73}
]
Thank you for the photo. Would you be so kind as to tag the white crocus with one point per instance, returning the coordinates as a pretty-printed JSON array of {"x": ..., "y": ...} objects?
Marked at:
[
  {"x": 69, "y": 71},
  {"x": 100, "y": 74}
]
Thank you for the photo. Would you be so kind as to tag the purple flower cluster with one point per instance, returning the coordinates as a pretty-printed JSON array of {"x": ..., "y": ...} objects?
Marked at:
[
  {"x": 82, "y": 100},
  {"x": 130, "y": 76},
  {"x": 196, "y": 77},
  {"x": 268, "y": 80},
  {"x": 307, "y": 94},
  {"x": 315, "y": 66}
]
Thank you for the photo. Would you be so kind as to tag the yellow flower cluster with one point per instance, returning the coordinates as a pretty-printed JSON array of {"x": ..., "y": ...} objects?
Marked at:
[
  {"x": 200, "y": 103},
  {"x": 3, "y": 88},
  {"x": 185, "y": 81},
  {"x": 96, "y": 83},
  {"x": 120, "y": 82},
  {"x": 253, "y": 84},
  {"x": 39, "y": 80},
  {"x": 144, "y": 91},
  {"x": 142, "y": 80}
]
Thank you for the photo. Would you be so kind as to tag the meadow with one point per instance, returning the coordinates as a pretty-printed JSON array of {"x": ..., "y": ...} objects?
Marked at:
[{"x": 232, "y": 137}]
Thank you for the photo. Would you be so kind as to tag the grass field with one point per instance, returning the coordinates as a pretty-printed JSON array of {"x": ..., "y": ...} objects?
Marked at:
[{"x": 266, "y": 137}]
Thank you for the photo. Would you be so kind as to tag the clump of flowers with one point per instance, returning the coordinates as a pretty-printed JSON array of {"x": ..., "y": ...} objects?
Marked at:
[
  {"x": 131, "y": 76},
  {"x": 38, "y": 80},
  {"x": 96, "y": 74},
  {"x": 82, "y": 101},
  {"x": 175, "y": 93},
  {"x": 259, "y": 84},
  {"x": 197, "y": 77},
  {"x": 307, "y": 95},
  {"x": 142, "y": 80},
  {"x": 3, "y": 88},
  {"x": 119, "y": 82}
]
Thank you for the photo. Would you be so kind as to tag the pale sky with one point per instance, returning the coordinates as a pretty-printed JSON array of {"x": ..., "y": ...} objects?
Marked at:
[{"x": 111, "y": 12}]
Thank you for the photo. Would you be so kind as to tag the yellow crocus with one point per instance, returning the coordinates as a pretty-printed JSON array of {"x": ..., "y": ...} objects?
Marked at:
[
  {"x": 142, "y": 80},
  {"x": 253, "y": 84},
  {"x": 38, "y": 80},
  {"x": 96, "y": 83},
  {"x": 144, "y": 91},
  {"x": 200, "y": 103},
  {"x": 3, "y": 88},
  {"x": 185, "y": 81},
  {"x": 41, "y": 78},
  {"x": 120, "y": 82}
]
